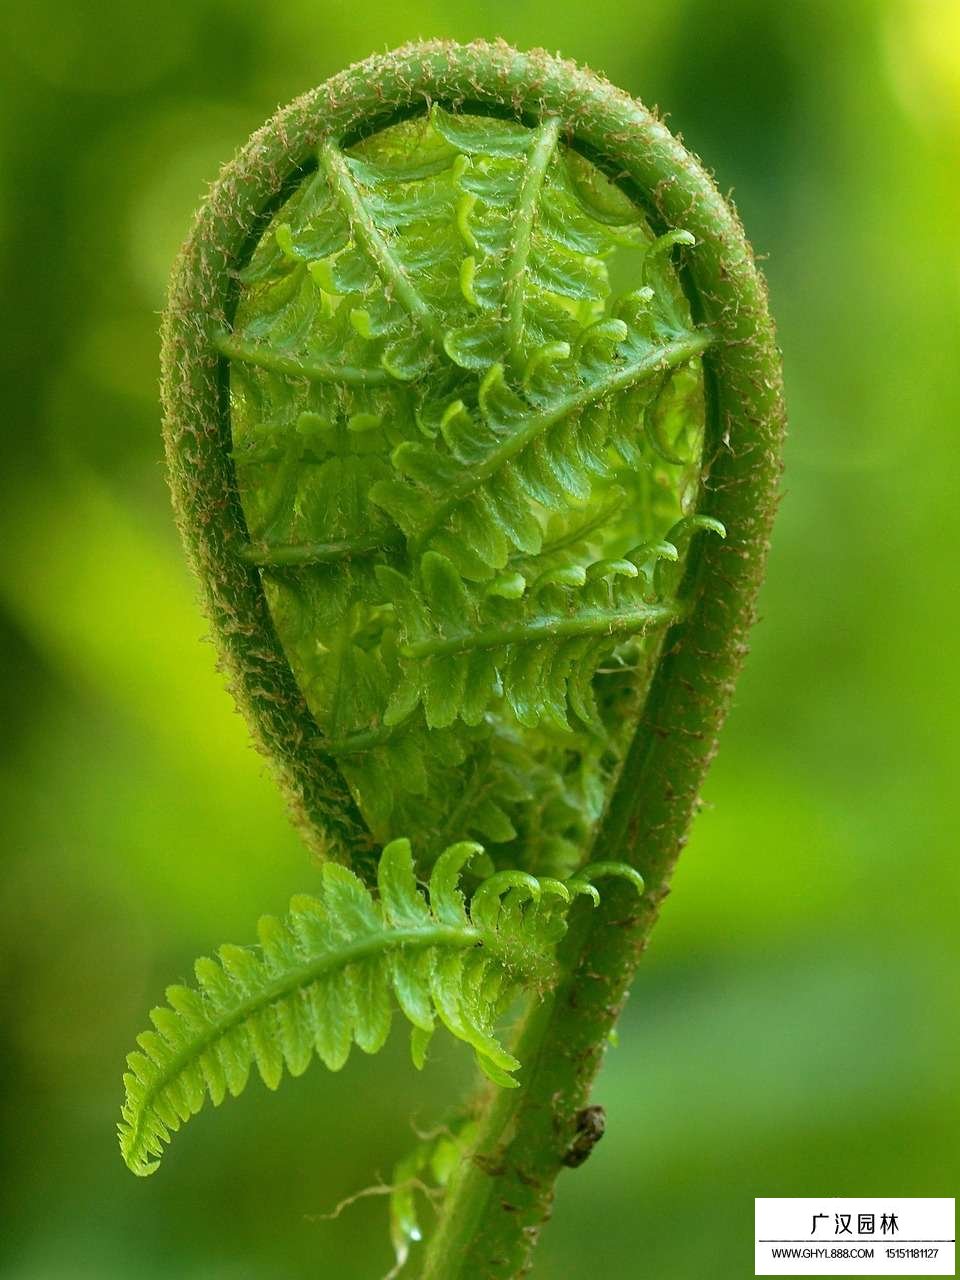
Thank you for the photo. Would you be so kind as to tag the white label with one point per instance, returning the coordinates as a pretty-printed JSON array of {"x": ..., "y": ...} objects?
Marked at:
[{"x": 855, "y": 1236}]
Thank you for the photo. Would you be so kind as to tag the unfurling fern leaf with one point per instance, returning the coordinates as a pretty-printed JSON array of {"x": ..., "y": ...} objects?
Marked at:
[
  {"x": 462, "y": 352},
  {"x": 433, "y": 387},
  {"x": 330, "y": 974}
]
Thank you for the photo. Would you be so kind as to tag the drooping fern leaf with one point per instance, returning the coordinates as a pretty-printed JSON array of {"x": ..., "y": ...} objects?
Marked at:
[{"x": 330, "y": 974}]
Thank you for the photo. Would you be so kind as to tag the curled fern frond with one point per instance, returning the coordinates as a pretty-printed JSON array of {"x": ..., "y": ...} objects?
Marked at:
[
  {"x": 462, "y": 353},
  {"x": 330, "y": 975},
  {"x": 454, "y": 425}
]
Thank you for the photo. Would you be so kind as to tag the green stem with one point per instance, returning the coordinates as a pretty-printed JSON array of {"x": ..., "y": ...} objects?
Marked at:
[
  {"x": 371, "y": 238},
  {"x": 595, "y": 623},
  {"x": 500, "y": 1196},
  {"x": 291, "y": 367},
  {"x": 466, "y": 1203},
  {"x": 291, "y": 554},
  {"x": 544, "y": 146}
]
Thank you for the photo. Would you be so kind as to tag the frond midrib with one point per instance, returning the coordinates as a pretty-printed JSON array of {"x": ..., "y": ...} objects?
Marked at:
[
  {"x": 545, "y": 144},
  {"x": 588, "y": 622},
  {"x": 371, "y": 239},
  {"x": 666, "y": 356},
  {"x": 291, "y": 367},
  {"x": 420, "y": 937}
]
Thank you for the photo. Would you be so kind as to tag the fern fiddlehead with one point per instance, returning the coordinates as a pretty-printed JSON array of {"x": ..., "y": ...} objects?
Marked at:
[{"x": 473, "y": 416}]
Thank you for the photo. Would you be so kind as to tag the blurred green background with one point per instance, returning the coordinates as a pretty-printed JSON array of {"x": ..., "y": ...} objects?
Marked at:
[{"x": 794, "y": 1030}]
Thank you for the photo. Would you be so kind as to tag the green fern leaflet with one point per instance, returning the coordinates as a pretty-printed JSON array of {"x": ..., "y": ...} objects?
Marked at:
[{"x": 331, "y": 974}]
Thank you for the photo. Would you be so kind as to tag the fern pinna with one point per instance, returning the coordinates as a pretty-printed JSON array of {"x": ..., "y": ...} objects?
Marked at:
[
  {"x": 329, "y": 975},
  {"x": 472, "y": 417}
]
